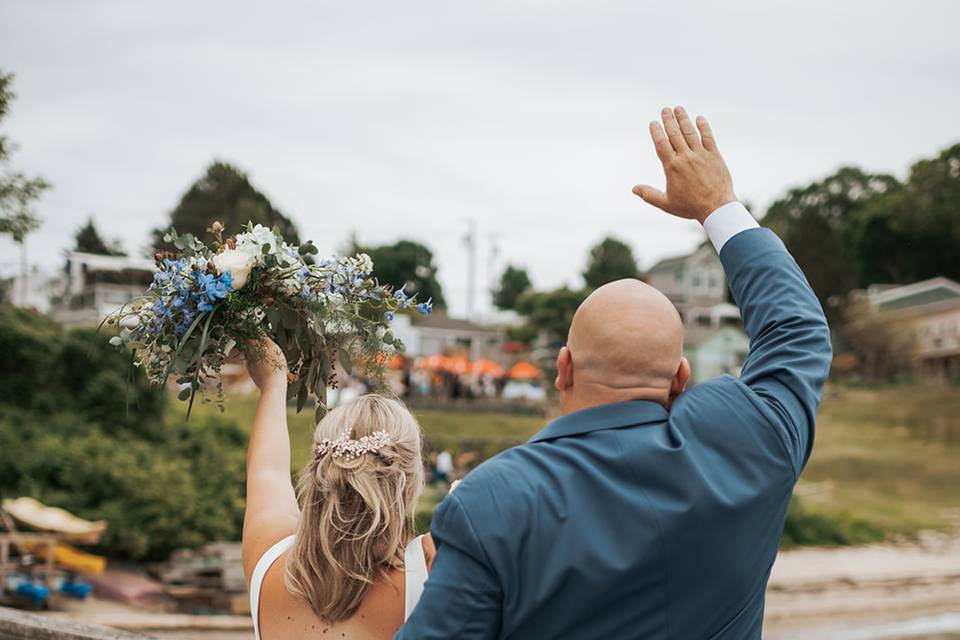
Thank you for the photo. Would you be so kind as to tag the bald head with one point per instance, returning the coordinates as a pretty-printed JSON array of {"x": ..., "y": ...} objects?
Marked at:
[{"x": 626, "y": 336}]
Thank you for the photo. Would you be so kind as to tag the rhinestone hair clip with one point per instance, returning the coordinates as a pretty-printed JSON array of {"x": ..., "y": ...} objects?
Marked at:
[{"x": 348, "y": 448}]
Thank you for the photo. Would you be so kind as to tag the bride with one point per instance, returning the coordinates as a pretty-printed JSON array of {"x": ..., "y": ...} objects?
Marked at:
[{"x": 343, "y": 562}]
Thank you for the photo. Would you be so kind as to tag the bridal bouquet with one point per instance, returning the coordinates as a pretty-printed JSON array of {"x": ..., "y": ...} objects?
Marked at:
[{"x": 206, "y": 300}]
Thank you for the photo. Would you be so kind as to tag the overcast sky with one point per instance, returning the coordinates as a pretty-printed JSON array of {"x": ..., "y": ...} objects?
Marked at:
[{"x": 406, "y": 119}]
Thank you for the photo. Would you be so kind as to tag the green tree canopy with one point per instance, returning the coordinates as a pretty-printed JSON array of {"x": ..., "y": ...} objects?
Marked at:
[
  {"x": 406, "y": 264},
  {"x": 17, "y": 191},
  {"x": 610, "y": 260},
  {"x": 224, "y": 194},
  {"x": 513, "y": 283},
  {"x": 814, "y": 223},
  {"x": 551, "y": 310},
  {"x": 912, "y": 233},
  {"x": 88, "y": 240}
]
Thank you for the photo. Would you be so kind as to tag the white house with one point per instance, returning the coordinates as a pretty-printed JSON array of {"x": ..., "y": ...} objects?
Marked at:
[
  {"x": 93, "y": 286},
  {"x": 691, "y": 281},
  {"x": 713, "y": 351},
  {"x": 441, "y": 334}
]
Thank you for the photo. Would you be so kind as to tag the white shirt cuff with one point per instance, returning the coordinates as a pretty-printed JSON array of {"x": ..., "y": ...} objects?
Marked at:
[{"x": 726, "y": 222}]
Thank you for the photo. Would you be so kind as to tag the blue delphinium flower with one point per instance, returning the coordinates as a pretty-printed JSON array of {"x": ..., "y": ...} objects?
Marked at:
[
  {"x": 426, "y": 308},
  {"x": 389, "y": 316}
]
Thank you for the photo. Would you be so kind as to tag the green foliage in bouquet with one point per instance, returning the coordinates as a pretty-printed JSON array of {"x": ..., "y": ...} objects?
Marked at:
[{"x": 204, "y": 301}]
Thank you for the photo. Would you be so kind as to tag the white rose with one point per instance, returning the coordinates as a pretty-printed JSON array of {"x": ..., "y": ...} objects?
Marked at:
[{"x": 235, "y": 262}]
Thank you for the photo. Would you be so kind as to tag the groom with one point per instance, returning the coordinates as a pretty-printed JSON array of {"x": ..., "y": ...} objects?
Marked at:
[{"x": 645, "y": 511}]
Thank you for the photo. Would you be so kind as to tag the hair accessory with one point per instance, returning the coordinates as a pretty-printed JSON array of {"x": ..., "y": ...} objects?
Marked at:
[{"x": 348, "y": 448}]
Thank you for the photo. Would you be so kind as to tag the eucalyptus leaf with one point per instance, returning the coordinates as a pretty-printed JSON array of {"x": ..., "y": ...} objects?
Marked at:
[
  {"x": 184, "y": 393},
  {"x": 301, "y": 398},
  {"x": 345, "y": 361}
]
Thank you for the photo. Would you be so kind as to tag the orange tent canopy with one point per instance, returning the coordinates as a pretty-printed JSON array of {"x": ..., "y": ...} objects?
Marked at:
[
  {"x": 523, "y": 370},
  {"x": 487, "y": 367},
  {"x": 434, "y": 362},
  {"x": 457, "y": 364}
]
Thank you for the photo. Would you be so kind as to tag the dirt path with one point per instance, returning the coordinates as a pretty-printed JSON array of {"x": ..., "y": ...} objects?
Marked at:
[{"x": 882, "y": 585}]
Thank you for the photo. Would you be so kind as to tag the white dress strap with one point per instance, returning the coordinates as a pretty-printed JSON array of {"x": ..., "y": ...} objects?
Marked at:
[
  {"x": 263, "y": 565},
  {"x": 415, "y": 574}
]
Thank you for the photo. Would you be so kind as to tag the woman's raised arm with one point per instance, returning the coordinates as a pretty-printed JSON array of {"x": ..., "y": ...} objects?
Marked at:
[{"x": 272, "y": 511}]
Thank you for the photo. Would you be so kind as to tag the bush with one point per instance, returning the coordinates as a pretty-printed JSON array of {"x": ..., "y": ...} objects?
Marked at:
[
  {"x": 806, "y": 528},
  {"x": 77, "y": 432}
]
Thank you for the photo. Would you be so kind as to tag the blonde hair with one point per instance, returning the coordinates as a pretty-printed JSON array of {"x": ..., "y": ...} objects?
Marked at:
[{"x": 356, "y": 511}]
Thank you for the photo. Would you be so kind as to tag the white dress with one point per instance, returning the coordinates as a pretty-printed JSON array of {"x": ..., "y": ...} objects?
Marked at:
[{"x": 415, "y": 576}]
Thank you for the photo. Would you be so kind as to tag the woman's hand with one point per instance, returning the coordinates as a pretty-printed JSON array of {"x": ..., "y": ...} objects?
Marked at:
[{"x": 268, "y": 366}]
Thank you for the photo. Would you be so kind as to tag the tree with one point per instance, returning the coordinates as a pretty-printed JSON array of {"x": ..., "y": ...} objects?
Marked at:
[
  {"x": 17, "y": 191},
  {"x": 912, "y": 233},
  {"x": 882, "y": 346},
  {"x": 609, "y": 260},
  {"x": 406, "y": 264},
  {"x": 513, "y": 283},
  {"x": 551, "y": 311},
  {"x": 224, "y": 194},
  {"x": 88, "y": 240},
  {"x": 813, "y": 222}
]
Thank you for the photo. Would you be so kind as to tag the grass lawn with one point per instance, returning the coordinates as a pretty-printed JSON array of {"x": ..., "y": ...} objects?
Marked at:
[{"x": 888, "y": 456}]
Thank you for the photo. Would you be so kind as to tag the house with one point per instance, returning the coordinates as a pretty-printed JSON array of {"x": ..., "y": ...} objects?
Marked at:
[
  {"x": 930, "y": 311},
  {"x": 713, "y": 351},
  {"x": 93, "y": 286},
  {"x": 714, "y": 341},
  {"x": 438, "y": 333},
  {"x": 691, "y": 281},
  {"x": 30, "y": 290}
]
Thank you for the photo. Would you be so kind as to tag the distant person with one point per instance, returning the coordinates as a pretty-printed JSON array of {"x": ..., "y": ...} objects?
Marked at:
[
  {"x": 445, "y": 465},
  {"x": 645, "y": 511},
  {"x": 343, "y": 562}
]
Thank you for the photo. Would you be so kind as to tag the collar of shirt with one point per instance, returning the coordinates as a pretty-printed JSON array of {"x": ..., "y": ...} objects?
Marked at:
[{"x": 605, "y": 416}]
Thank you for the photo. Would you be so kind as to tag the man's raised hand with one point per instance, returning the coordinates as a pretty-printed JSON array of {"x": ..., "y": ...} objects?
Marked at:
[{"x": 698, "y": 181}]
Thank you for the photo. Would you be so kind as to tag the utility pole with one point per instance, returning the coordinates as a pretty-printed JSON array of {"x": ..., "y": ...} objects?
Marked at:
[
  {"x": 493, "y": 260},
  {"x": 470, "y": 242}
]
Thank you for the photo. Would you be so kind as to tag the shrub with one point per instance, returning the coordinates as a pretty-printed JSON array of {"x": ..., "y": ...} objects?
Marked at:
[{"x": 806, "y": 528}]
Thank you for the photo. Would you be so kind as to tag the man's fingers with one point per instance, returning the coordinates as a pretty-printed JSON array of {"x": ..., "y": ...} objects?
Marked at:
[
  {"x": 660, "y": 142},
  {"x": 706, "y": 133},
  {"x": 651, "y": 196},
  {"x": 687, "y": 129},
  {"x": 673, "y": 131}
]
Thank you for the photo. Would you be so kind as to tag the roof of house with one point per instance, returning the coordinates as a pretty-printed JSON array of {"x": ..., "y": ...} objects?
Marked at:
[
  {"x": 672, "y": 262},
  {"x": 110, "y": 263},
  {"x": 440, "y": 320},
  {"x": 668, "y": 264},
  {"x": 917, "y": 294}
]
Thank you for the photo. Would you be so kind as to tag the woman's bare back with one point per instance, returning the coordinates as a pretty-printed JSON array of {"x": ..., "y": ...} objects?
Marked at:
[{"x": 283, "y": 615}]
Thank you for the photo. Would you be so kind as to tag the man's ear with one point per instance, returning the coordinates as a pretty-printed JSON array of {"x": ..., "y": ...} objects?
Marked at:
[
  {"x": 681, "y": 379},
  {"x": 564, "y": 370}
]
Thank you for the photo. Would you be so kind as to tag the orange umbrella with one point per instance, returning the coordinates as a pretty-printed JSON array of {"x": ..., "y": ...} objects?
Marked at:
[
  {"x": 458, "y": 365},
  {"x": 487, "y": 367},
  {"x": 434, "y": 362},
  {"x": 523, "y": 371}
]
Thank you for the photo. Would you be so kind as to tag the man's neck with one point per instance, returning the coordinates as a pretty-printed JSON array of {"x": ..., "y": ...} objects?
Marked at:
[{"x": 598, "y": 395}]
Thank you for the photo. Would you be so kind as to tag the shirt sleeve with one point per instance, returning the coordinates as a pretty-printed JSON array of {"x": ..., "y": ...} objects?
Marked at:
[{"x": 726, "y": 222}]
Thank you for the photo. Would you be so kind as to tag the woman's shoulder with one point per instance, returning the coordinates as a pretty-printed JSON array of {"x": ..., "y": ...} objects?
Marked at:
[{"x": 429, "y": 548}]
